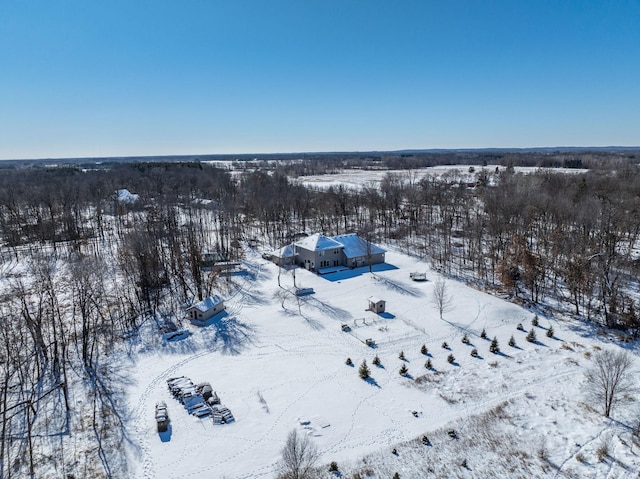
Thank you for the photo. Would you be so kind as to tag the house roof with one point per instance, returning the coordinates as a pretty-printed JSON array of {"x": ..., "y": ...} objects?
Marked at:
[
  {"x": 207, "y": 303},
  {"x": 354, "y": 246},
  {"x": 284, "y": 252},
  {"x": 318, "y": 242},
  {"x": 375, "y": 300}
]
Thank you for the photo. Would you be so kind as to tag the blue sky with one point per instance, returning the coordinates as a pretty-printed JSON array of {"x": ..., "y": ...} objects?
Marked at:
[{"x": 153, "y": 77}]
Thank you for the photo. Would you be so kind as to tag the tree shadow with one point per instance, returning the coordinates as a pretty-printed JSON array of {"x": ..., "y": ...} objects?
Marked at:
[
  {"x": 332, "y": 311},
  {"x": 230, "y": 334},
  {"x": 399, "y": 288},
  {"x": 372, "y": 382}
]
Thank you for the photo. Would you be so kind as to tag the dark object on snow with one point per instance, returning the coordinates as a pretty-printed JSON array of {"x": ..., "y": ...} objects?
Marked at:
[
  {"x": 345, "y": 328},
  {"x": 452, "y": 434},
  {"x": 370, "y": 342},
  {"x": 304, "y": 291},
  {"x": 205, "y": 390},
  {"x": 162, "y": 416}
]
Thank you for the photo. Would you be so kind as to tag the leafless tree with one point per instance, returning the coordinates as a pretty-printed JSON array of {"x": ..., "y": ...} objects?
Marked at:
[
  {"x": 610, "y": 378},
  {"x": 440, "y": 297},
  {"x": 299, "y": 458}
]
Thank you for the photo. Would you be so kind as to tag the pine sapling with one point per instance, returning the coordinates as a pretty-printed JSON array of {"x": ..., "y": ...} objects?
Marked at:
[
  {"x": 483, "y": 334},
  {"x": 531, "y": 336},
  {"x": 404, "y": 370},
  {"x": 512, "y": 342},
  {"x": 364, "y": 371},
  {"x": 534, "y": 321},
  {"x": 494, "y": 347},
  {"x": 401, "y": 355},
  {"x": 451, "y": 359},
  {"x": 376, "y": 361},
  {"x": 348, "y": 362},
  {"x": 465, "y": 339},
  {"x": 550, "y": 332},
  {"x": 474, "y": 353},
  {"x": 428, "y": 364},
  {"x": 424, "y": 350}
]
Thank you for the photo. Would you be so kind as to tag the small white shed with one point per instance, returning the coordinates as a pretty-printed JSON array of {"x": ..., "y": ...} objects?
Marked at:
[
  {"x": 376, "y": 305},
  {"x": 206, "y": 309}
]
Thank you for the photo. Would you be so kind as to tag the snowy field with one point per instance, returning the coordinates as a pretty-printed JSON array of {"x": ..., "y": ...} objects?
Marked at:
[
  {"x": 358, "y": 178},
  {"x": 279, "y": 364}
]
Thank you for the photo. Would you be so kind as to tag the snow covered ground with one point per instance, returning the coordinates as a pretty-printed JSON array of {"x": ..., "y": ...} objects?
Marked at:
[
  {"x": 277, "y": 361},
  {"x": 358, "y": 178}
]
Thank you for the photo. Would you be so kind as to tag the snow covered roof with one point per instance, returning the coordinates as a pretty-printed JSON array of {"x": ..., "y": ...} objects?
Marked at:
[
  {"x": 318, "y": 242},
  {"x": 125, "y": 196},
  {"x": 284, "y": 252},
  {"x": 207, "y": 304},
  {"x": 354, "y": 246},
  {"x": 373, "y": 299}
]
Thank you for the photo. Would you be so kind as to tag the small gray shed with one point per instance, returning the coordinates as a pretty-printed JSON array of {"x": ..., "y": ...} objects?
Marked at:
[{"x": 376, "y": 305}]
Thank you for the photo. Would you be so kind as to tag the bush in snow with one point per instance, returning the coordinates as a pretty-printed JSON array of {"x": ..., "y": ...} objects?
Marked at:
[
  {"x": 483, "y": 334},
  {"x": 451, "y": 359},
  {"x": 348, "y": 362},
  {"x": 376, "y": 361},
  {"x": 512, "y": 342},
  {"x": 404, "y": 370},
  {"x": 333, "y": 467},
  {"x": 396, "y": 476},
  {"x": 534, "y": 321},
  {"x": 445, "y": 345},
  {"x": 424, "y": 350},
  {"x": 428, "y": 364},
  {"x": 494, "y": 347},
  {"x": 401, "y": 355},
  {"x": 550, "y": 332},
  {"x": 519, "y": 327},
  {"x": 465, "y": 339},
  {"x": 531, "y": 336},
  {"x": 474, "y": 353}
]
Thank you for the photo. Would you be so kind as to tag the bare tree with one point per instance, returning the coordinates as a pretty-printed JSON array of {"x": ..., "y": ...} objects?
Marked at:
[
  {"x": 610, "y": 378},
  {"x": 440, "y": 297},
  {"x": 299, "y": 458}
]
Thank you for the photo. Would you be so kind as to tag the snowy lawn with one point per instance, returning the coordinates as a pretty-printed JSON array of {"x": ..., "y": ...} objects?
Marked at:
[{"x": 277, "y": 361}]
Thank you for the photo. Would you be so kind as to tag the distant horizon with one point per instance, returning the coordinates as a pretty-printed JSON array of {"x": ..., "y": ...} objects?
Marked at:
[{"x": 340, "y": 152}]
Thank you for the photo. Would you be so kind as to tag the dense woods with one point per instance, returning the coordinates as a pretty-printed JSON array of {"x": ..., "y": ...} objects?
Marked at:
[{"x": 82, "y": 267}]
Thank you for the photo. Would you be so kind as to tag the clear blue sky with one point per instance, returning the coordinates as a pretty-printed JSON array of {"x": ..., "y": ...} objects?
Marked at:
[{"x": 151, "y": 77}]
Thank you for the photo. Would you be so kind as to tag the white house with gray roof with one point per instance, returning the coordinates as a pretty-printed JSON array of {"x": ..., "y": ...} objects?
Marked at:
[{"x": 206, "y": 308}]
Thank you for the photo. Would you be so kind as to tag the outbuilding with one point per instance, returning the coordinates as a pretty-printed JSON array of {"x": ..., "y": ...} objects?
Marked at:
[
  {"x": 206, "y": 309},
  {"x": 376, "y": 305}
]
